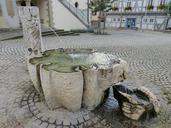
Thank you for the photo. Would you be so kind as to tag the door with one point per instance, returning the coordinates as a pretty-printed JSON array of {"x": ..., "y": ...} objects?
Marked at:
[{"x": 130, "y": 23}]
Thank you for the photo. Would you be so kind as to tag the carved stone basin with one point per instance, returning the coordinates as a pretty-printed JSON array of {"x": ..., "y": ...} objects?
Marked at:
[{"x": 75, "y": 78}]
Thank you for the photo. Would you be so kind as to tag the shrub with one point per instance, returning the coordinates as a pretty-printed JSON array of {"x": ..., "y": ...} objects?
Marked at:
[{"x": 128, "y": 8}]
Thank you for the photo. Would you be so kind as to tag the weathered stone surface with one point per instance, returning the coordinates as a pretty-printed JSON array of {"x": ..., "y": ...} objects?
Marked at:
[
  {"x": 34, "y": 75},
  {"x": 98, "y": 79},
  {"x": 72, "y": 77},
  {"x": 147, "y": 61},
  {"x": 62, "y": 89},
  {"x": 58, "y": 75},
  {"x": 136, "y": 103},
  {"x": 30, "y": 19}
]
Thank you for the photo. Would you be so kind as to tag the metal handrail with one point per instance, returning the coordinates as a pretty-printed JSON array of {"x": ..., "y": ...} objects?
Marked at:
[
  {"x": 72, "y": 4},
  {"x": 75, "y": 10}
]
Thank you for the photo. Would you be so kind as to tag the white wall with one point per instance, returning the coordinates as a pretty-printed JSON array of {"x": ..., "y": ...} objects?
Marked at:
[
  {"x": 112, "y": 22},
  {"x": 43, "y": 10},
  {"x": 82, "y": 3},
  {"x": 11, "y": 21},
  {"x": 64, "y": 19},
  {"x": 140, "y": 2},
  {"x": 115, "y": 22}
]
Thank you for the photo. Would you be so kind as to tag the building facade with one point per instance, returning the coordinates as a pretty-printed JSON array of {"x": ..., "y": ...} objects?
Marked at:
[
  {"x": 61, "y": 14},
  {"x": 138, "y": 14},
  {"x": 8, "y": 14}
]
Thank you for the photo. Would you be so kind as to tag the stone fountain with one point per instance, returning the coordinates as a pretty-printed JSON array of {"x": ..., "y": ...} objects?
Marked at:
[{"x": 76, "y": 78}]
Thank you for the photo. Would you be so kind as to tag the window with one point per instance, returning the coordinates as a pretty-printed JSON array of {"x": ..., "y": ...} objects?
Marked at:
[
  {"x": 162, "y": 2},
  {"x": 115, "y": 4},
  {"x": 129, "y": 4},
  {"x": 151, "y": 20},
  {"x": 150, "y": 2},
  {"x": 23, "y": 3},
  {"x": 145, "y": 20},
  {"x": 118, "y": 19},
  {"x": 76, "y": 4},
  {"x": 114, "y": 19}
]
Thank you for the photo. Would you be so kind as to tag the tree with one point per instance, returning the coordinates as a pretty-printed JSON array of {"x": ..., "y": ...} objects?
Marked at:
[
  {"x": 99, "y": 5},
  {"x": 99, "y": 8},
  {"x": 168, "y": 8},
  {"x": 168, "y": 11}
]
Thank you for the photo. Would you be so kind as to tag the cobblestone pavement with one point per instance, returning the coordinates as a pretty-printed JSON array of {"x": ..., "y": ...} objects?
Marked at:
[{"x": 149, "y": 57}]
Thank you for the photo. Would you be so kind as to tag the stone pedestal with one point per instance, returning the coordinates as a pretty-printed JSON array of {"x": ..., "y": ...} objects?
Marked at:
[{"x": 30, "y": 19}]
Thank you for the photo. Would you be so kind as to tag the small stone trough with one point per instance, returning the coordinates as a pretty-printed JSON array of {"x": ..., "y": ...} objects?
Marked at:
[{"x": 75, "y": 78}]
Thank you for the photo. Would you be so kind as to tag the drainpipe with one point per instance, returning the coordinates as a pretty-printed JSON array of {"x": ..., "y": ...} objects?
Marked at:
[
  {"x": 121, "y": 21},
  {"x": 121, "y": 15},
  {"x": 141, "y": 22},
  {"x": 88, "y": 12},
  {"x": 142, "y": 15},
  {"x": 50, "y": 13},
  {"x": 155, "y": 23}
]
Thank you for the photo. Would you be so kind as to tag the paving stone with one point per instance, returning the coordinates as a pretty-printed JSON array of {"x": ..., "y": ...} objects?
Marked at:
[
  {"x": 148, "y": 55},
  {"x": 51, "y": 126}
]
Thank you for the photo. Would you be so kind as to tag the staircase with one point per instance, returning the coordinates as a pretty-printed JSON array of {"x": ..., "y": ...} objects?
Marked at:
[
  {"x": 9, "y": 34},
  {"x": 79, "y": 14}
]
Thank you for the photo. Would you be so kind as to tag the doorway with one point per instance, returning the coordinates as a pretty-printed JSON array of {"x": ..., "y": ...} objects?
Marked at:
[{"x": 130, "y": 23}]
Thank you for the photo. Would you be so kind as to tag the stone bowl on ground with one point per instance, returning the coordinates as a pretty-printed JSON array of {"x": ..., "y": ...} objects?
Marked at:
[
  {"x": 75, "y": 78},
  {"x": 138, "y": 103}
]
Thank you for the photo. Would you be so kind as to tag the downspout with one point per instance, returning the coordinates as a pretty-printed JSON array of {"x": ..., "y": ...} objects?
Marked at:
[
  {"x": 121, "y": 15},
  {"x": 88, "y": 12},
  {"x": 142, "y": 5},
  {"x": 50, "y": 13}
]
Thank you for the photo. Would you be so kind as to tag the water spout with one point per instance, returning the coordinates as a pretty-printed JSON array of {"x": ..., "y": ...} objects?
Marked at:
[{"x": 53, "y": 30}]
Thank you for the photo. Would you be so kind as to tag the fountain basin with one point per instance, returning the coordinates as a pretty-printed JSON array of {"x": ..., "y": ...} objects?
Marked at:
[{"x": 75, "y": 78}]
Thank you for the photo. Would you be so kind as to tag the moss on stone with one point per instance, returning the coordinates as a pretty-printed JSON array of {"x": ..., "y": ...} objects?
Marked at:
[
  {"x": 167, "y": 94},
  {"x": 69, "y": 60}
]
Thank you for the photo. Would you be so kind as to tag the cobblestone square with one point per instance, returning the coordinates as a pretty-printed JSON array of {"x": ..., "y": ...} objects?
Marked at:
[{"x": 149, "y": 57}]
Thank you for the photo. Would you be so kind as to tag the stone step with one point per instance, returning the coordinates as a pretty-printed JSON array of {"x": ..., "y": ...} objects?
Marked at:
[
  {"x": 16, "y": 34},
  {"x": 61, "y": 33}
]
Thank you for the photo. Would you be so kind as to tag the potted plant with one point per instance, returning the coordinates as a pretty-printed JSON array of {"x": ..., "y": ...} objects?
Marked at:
[
  {"x": 161, "y": 7},
  {"x": 115, "y": 8},
  {"x": 99, "y": 9},
  {"x": 128, "y": 8},
  {"x": 150, "y": 7}
]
